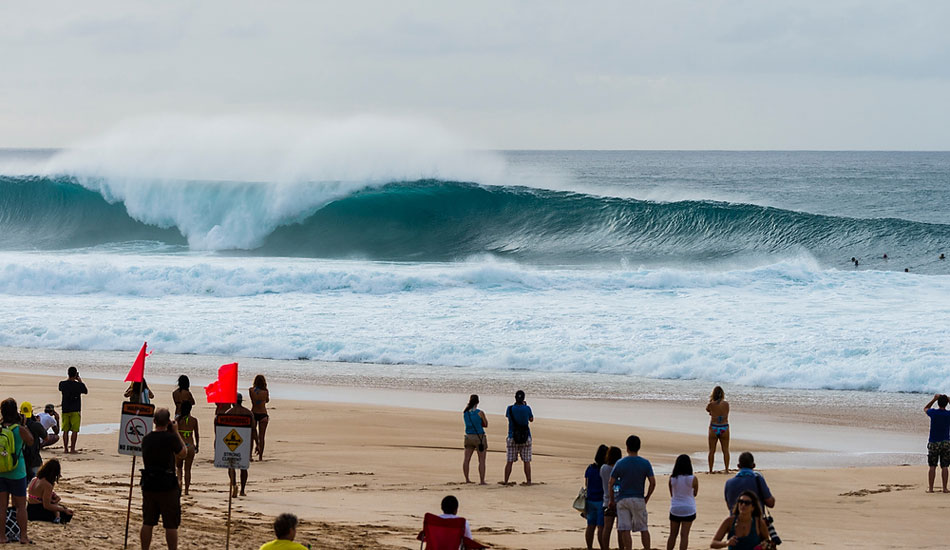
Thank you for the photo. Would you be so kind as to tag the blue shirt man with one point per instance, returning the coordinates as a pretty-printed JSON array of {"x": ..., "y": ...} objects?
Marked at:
[
  {"x": 632, "y": 473},
  {"x": 747, "y": 479},
  {"x": 938, "y": 447},
  {"x": 519, "y": 416}
]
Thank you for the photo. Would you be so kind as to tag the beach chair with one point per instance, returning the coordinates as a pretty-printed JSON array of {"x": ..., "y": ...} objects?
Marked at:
[{"x": 445, "y": 534}]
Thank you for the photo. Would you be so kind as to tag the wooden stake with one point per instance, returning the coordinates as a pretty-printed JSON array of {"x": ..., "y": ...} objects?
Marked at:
[
  {"x": 128, "y": 512},
  {"x": 227, "y": 539}
]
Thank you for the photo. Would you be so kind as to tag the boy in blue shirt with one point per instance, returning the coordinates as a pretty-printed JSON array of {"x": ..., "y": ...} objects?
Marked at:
[{"x": 631, "y": 473}]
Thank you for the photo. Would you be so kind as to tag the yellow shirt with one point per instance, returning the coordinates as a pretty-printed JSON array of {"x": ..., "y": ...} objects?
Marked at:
[{"x": 281, "y": 544}]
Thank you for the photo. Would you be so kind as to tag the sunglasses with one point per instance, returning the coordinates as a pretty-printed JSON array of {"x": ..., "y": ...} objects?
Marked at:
[{"x": 744, "y": 501}]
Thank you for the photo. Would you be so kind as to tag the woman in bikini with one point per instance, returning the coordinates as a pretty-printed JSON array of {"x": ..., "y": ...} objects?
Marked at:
[
  {"x": 745, "y": 527},
  {"x": 259, "y": 399},
  {"x": 188, "y": 429},
  {"x": 182, "y": 394},
  {"x": 718, "y": 409},
  {"x": 43, "y": 504}
]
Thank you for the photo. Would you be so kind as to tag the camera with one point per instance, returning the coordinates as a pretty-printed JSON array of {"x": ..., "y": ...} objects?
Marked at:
[{"x": 776, "y": 540}]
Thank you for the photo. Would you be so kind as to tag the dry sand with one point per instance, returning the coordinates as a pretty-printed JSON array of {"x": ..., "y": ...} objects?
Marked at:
[{"x": 363, "y": 475}]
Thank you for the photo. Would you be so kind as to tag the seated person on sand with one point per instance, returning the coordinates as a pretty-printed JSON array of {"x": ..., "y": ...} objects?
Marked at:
[
  {"x": 49, "y": 419},
  {"x": 439, "y": 539},
  {"x": 43, "y": 504},
  {"x": 285, "y": 529}
]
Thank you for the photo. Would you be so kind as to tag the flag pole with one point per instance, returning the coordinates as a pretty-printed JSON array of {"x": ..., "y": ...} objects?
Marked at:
[
  {"x": 128, "y": 512},
  {"x": 227, "y": 539}
]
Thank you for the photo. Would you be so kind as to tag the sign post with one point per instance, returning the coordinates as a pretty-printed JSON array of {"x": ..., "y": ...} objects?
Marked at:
[
  {"x": 135, "y": 424},
  {"x": 232, "y": 449}
]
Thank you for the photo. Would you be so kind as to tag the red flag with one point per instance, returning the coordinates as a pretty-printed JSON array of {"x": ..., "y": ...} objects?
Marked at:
[
  {"x": 224, "y": 389},
  {"x": 137, "y": 372}
]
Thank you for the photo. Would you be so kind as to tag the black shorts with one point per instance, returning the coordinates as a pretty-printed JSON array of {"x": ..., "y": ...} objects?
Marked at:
[
  {"x": 938, "y": 450},
  {"x": 166, "y": 504},
  {"x": 682, "y": 519}
]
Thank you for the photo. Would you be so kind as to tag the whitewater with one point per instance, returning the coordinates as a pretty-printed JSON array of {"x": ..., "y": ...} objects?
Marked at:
[{"x": 394, "y": 242}]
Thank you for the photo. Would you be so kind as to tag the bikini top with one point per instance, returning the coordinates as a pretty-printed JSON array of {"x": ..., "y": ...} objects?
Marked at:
[{"x": 29, "y": 491}]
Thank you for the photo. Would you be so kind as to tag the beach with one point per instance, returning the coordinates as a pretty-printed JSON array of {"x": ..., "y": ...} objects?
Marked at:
[{"x": 360, "y": 464}]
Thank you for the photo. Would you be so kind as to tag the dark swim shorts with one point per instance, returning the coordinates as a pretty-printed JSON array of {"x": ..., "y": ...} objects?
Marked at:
[{"x": 941, "y": 450}]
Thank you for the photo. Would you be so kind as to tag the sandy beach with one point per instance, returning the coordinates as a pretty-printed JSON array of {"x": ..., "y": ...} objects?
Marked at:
[{"x": 361, "y": 471}]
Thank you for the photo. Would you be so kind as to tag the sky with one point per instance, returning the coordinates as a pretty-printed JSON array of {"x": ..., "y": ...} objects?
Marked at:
[{"x": 507, "y": 75}]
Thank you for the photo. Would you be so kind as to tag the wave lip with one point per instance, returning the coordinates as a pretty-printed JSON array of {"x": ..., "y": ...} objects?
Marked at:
[{"x": 227, "y": 182}]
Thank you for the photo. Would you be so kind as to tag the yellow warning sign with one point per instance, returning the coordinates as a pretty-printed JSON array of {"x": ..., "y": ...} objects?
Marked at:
[{"x": 233, "y": 440}]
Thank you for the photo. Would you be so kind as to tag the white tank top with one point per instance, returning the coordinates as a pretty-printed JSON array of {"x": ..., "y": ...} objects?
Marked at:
[{"x": 683, "y": 503}]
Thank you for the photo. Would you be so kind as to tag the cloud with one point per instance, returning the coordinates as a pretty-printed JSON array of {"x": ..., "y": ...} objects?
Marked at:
[{"x": 531, "y": 74}]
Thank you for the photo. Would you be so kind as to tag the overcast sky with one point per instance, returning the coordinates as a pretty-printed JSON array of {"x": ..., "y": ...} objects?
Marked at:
[{"x": 540, "y": 75}]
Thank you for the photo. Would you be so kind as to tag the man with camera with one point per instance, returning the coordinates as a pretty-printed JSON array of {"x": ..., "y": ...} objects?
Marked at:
[
  {"x": 938, "y": 447},
  {"x": 747, "y": 479},
  {"x": 161, "y": 495},
  {"x": 72, "y": 389}
]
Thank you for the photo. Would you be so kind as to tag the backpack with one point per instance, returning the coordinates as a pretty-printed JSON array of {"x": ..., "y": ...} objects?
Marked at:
[
  {"x": 9, "y": 457},
  {"x": 519, "y": 432}
]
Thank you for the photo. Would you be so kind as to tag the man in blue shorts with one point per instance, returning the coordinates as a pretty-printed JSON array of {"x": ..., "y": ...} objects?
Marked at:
[
  {"x": 938, "y": 448},
  {"x": 632, "y": 472}
]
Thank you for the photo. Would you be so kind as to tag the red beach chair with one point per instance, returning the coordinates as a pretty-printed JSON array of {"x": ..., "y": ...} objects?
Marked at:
[{"x": 445, "y": 534}]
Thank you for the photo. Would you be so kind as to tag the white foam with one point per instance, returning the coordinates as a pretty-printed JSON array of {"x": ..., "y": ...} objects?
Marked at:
[{"x": 785, "y": 325}]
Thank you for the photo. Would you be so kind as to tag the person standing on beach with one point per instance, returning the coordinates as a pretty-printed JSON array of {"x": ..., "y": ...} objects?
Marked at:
[
  {"x": 139, "y": 392},
  {"x": 718, "y": 409},
  {"x": 240, "y": 410},
  {"x": 72, "y": 389},
  {"x": 161, "y": 495},
  {"x": 632, "y": 473},
  {"x": 938, "y": 448},
  {"x": 475, "y": 439},
  {"x": 594, "y": 506},
  {"x": 519, "y": 415},
  {"x": 13, "y": 478},
  {"x": 614, "y": 454},
  {"x": 747, "y": 479},
  {"x": 182, "y": 394},
  {"x": 683, "y": 490},
  {"x": 260, "y": 397},
  {"x": 188, "y": 430}
]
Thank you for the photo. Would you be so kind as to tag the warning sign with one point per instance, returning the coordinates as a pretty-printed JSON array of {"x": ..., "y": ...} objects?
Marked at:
[
  {"x": 232, "y": 441},
  {"x": 136, "y": 423}
]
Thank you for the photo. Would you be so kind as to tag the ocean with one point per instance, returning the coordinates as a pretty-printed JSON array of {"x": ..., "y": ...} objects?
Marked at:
[{"x": 731, "y": 267}]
